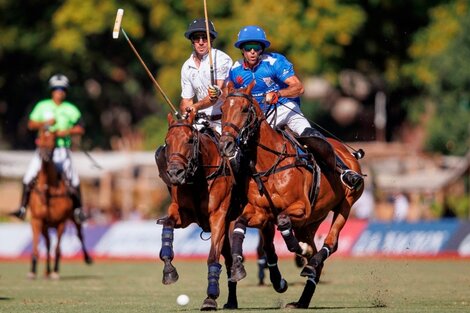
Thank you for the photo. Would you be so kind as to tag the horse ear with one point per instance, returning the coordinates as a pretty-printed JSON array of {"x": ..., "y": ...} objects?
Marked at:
[
  {"x": 191, "y": 115},
  {"x": 230, "y": 87},
  {"x": 250, "y": 86},
  {"x": 170, "y": 119}
]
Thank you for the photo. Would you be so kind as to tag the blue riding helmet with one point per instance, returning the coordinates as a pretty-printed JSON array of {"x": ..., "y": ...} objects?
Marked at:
[{"x": 252, "y": 33}]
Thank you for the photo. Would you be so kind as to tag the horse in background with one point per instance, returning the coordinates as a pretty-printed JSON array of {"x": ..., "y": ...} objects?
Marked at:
[
  {"x": 286, "y": 187},
  {"x": 51, "y": 206},
  {"x": 200, "y": 187}
]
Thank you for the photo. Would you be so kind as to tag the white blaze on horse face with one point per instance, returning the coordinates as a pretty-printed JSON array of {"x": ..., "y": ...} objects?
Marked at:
[{"x": 232, "y": 102}]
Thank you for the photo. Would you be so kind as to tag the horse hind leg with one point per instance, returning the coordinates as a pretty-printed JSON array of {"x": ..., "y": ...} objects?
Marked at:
[
  {"x": 45, "y": 233},
  {"x": 261, "y": 261},
  {"x": 170, "y": 274}
]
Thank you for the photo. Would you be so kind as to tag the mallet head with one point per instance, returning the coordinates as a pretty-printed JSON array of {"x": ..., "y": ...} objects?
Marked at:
[{"x": 117, "y": 23}]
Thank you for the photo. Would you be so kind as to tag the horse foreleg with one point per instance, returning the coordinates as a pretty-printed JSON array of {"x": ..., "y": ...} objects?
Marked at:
[
  {"x": 58, "y": 252},
  {"x": 237, "y": 271},
  {"x": 88, "y": 260},
  {"x": 36, "y": 226},
  {"x": 47, "y": 239},
  {"x": 170, "y": 275},
  {"x": 261, "y": 260},
  {"x": 232, "y": 302},
  {"x": 279, "y": 283}
]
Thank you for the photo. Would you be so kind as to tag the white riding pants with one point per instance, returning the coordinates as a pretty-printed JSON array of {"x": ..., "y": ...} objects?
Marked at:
[
  {"x": 216, "y": 125},
  {"x": 289, "y": 114},
  {"x": 62, "y": 161}
]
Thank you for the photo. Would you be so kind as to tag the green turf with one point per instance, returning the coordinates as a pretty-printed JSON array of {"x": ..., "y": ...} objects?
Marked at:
[{"x": 349, "y": 285}]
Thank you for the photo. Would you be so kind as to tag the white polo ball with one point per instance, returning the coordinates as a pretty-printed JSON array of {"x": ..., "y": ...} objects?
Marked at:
[{"x": 182, "y": 300}]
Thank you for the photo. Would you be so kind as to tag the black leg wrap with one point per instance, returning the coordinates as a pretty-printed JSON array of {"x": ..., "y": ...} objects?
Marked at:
[
  {"x": 261, "y": 267},
  {"x": 284, "y": 225},
  {"x": 307, "y": 294},
  {"x": 166, "y": 252},
  {"x": 320, "y": 256},
  {"x": 237, "y": 238},
  {"x": 213, "y": 276}
]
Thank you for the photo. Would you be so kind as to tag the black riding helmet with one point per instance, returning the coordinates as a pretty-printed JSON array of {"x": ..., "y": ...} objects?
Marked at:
[{"x": 199, "y": 25}]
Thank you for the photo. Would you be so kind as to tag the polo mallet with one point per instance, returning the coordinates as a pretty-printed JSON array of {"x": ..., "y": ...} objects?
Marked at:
[
  {"x": 116, "y": 29},
  {"x": 211, "y": 63},
  {"x": 92, "y": 160}
]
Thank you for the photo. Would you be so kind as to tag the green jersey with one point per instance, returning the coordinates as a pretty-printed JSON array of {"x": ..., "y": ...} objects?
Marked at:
[{"x": 66, "y": 116}]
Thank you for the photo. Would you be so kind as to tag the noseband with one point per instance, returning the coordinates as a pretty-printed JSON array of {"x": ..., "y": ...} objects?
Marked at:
[{"x": 191, "y": 162}]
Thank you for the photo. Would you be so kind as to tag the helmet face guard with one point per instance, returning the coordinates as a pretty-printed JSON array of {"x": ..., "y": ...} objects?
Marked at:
[
  {"x": 252, "y": 33},
  {"x": 59, "y": 81},
  {"x": 199, "y": 25}
]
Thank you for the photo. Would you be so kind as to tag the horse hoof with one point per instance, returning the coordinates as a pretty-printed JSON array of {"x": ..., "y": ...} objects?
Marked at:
[
  {"x": 170, "y": 277},
  {"x": 54, "y": 276},
  {"x": 282, "y": 286},
  {"x": 238, "y": 272},
  {"x": 209, "y": 304},
  {"x": 31, "y": 276},
  {"x": 292, "y": 305},
  {"x": 231, "y": 306},
  {"x": 88, "y": 260}
]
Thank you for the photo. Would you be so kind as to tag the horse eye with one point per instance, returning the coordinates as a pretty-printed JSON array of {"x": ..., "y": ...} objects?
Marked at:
[
  {"x": 245, "y": 109},
  {"x": 191, "y": 141}
]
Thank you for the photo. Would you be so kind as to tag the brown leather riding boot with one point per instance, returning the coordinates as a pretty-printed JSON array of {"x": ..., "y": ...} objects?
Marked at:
[{"x": 78, "y": 215}]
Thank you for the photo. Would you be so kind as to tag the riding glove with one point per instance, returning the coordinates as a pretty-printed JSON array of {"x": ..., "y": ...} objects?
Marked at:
[
  {"x": 272, "y": 97},
  {"x": 214, "y": 92}
]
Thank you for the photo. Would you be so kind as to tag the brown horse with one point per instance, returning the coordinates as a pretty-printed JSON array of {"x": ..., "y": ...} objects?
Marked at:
[
  {"x": 51, "y": 207},
  {"x": 284, "y": 189},
  {"x": 200, "y": 190}
]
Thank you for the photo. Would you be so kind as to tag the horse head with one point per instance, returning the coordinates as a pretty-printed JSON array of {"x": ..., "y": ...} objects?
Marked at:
[
  {"x": 182, "y": 148},
  {"x": 239, "y": 119},
  {"x": 45, "y": 143}
]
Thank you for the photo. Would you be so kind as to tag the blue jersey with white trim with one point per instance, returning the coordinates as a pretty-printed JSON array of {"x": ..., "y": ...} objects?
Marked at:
[{"x": 270, "y": 74}]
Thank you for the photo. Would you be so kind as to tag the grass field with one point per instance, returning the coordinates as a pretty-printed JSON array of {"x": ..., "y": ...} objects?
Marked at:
[{"x": 349, "y": 285}]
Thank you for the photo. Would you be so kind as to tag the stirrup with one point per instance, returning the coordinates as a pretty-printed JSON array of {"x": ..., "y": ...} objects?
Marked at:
[
  {"x": 350, "y": 185},
  {"x": 20, "y": 213},
  {"x": 79, "y": 216}
]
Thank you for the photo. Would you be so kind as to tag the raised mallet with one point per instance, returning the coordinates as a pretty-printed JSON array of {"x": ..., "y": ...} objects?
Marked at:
[{"x": 116, "y": 29}]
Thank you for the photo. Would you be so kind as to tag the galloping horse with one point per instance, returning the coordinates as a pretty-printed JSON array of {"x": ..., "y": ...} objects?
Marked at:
[
  {"x": 200, "y": 189},
  {"x": 51, "y": 206},
  {"x": 286, "y": 187}
]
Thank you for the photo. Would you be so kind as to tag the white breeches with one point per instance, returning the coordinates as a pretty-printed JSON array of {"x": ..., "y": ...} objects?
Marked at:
[
  {"x": 216, "y": 125},
  {"x": 289, "y": 114},
  {"x": 62, "y": 161}
]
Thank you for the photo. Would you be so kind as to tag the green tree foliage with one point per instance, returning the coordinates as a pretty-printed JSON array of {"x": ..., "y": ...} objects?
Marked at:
[
  {"x": 112, "y": 89},
  {"x": 441, "y": 66}
]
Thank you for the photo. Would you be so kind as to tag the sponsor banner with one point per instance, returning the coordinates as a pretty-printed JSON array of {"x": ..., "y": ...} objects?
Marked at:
[
  {"x": 142, "y": 239},
  {"x": 420, "y": 239},
  {"x": 348, "y": 236},
  {"x": 460, "y": 241}
]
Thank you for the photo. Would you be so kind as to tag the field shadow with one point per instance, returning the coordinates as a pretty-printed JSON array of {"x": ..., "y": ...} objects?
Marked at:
[
  {"x": 314, "y": 308},
  {"x": 5, "y": 298},
  {"x": 81, "y": 277}
]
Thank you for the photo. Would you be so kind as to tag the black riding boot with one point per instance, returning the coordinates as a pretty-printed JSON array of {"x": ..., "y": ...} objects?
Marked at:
[
  {"x": 21, "y": 212},
  {"x": 78, "y": 215},
  {"x": 350, "y": 178}
]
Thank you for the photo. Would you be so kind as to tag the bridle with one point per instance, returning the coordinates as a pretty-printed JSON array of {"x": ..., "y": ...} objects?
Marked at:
[
  {"x": 190, "y": 163},
  {"x": 249, "y": 128}
]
